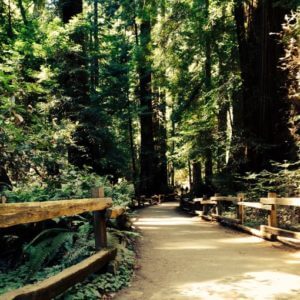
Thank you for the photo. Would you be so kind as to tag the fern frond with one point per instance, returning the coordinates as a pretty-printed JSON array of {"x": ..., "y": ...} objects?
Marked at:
[
  {"x": 112, "y": 240},
  {"x": 43, "y": 253},
  {"x": 81, "y": 249},
  {"x": 44, "y": 234}
]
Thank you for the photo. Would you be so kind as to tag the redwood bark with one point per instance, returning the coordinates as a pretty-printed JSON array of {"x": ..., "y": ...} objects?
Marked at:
[
  {"x": 147, "y": 155},
  {"x": 208, "y": 85},
  {"x": 263, "y": 112},
  {"x": 197, "y": 186},
  {"x": 161, "y": 178}
]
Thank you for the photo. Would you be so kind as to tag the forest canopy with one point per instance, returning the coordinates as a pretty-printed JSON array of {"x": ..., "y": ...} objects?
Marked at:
[{"x": 160, "y": 93}]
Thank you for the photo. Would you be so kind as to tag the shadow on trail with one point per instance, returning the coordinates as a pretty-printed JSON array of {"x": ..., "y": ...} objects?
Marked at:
[{"x": 183, "y": 257}]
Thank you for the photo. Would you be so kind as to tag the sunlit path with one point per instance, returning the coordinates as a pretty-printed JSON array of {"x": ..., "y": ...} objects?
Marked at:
[{"x": 182, "y": 257}]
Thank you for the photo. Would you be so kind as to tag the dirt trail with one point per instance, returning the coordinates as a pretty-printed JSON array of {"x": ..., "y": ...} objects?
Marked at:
[{"x": 182, "y": 257}]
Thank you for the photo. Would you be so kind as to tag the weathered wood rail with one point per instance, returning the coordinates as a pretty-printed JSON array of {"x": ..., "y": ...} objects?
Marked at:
[
  {"x": 213, "y": 209},
  {"x": 22, "y": 213},
  {"x": 153, "y": 200},
  {"x": 57, "y": 284}
]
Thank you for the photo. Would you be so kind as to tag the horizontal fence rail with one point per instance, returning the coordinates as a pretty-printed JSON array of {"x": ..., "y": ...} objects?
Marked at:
[
  {"x": 224, "y": 198},
  {"x": 57, "y": 284},
  {"x": 281, "y": 201},
  {"x": 213, "y": 208},
  {"x": 22, "y": 213},
  {"x": 12, "y": 214},
  {"x": 255, "y": 205}
]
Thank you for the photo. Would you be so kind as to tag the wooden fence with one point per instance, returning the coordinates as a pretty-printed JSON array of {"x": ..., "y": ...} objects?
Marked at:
[
  {"x": 213, "y": 209},
  {"x": 22, "y": 213}
]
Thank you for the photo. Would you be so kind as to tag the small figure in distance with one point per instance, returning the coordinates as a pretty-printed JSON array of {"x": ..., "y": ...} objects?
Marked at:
[
  {"x": 186, "y": 190},
  {"x": 182, "y": 190}
]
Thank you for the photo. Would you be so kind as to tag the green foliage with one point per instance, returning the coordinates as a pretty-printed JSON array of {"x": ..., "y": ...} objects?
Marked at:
[
  {"x": 55, "y": 249},
  {"x": 47, "y": 107},
  {"x": 182, "y": 36},
  {"x": 39, "y": 257},
  {"x": 74, "y": 184},
  {"x": 43, "y": 250},
  {"x": 83, "y": 246},
  {"x": 102, "y": 284},
  {"x": 12, "y": 279},
  {"x": 69, "y": 110},
  {"x": 54, "y": 113},
  {"x": 290, "y": 37},
  {"x": 30, "y": 139},
  {"x": 284, "y": 180},
  {"x": 121, "y": 193}
]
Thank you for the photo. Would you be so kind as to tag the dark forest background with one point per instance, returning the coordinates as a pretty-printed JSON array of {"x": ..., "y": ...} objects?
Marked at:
[{"x": 158, "y": 93}]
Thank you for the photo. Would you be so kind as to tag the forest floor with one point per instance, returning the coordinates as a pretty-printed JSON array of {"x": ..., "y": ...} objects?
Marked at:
[{"x": 183, "y": 257}]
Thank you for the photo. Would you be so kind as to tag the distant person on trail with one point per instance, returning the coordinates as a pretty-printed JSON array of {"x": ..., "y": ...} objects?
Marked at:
[{"x": 181, "y": 191}]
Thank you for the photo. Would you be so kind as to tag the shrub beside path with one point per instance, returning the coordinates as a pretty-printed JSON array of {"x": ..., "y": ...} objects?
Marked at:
[{"x": 183, "y": 257}]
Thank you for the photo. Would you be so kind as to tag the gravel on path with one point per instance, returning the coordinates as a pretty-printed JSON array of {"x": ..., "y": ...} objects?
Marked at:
[{"x": 182, "y": 257}]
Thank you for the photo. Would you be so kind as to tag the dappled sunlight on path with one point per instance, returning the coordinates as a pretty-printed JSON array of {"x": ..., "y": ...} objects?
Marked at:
[
  {"x": 252, "y": 285},
  {"x": 162, "y": 222},
  {"x": 183, "y": 257}
]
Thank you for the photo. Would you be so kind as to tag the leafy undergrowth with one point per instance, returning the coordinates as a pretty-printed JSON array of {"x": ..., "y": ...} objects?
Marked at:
[
  {"x": 98, "y": 286},
  {"x": 255, "y": 217},
  {"x": 56, "y": 249},
  {"x": 73, "y": 184},
  {"x": 288, "y": 217},
  {"x": 33, "y": 252}
]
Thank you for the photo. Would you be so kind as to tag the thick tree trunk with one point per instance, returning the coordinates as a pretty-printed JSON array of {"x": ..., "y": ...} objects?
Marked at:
[
  {"x": 69, "y": 9},
  {"x": 95, "y": 67},
  {"x": 172, "y": 164},
  {"x": 74, "y": 79},
  {"x": 190, "y": 174},
  {"x": 10, "y": 32},
  {"x": 159, "y": 120},
  {"x": 208, "y": 85},
  {"x": 225, "y": 68},
  {"x": 132, "y": 147},
  {"x": 222, "y": 133},
  {"x": 147, "y": 156},
  {"x": 197, "y": 185},
  {"x": 161, "y": 178},
  {"x": 263, "y": 127}
]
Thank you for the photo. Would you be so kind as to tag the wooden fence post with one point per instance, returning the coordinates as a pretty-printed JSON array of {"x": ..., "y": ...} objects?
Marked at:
[
  {"x": 272, "y": 217},
  {"x": 240, "y": 208},
  {"x": 219, "y": 205},
  {"x": 3, "y": 199},
  {"x": 204, "y": 208},
  {"x": 99, "y": 221}
]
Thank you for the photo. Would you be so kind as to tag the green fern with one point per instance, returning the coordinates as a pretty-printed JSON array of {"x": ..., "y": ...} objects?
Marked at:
[
  {"x": 112, "y": 240},
  {"x": 84, "y": 245},
  {"x": 42, "y": 253},
  {"x": 82, "y": 248},
  {"x": 44, "y": 234}
]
